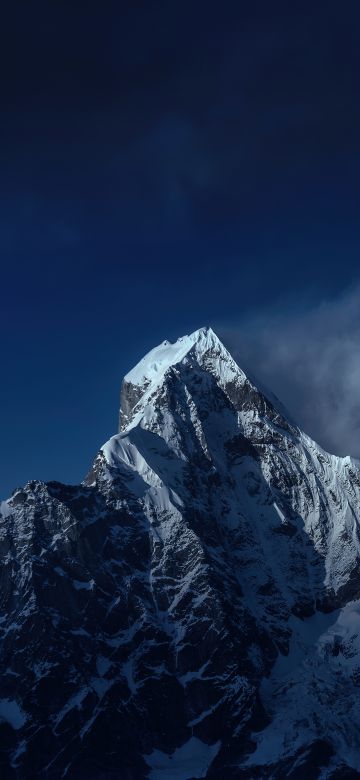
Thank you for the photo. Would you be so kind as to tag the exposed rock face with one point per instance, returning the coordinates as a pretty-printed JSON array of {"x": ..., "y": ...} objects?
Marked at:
[{"x": 189, "y": 610}]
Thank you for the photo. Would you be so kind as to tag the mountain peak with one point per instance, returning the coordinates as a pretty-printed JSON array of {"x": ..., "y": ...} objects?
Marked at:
[
  {"x": 167, "y": 354},
  {"x": 142, "y": 381},
  {"x": 205, "y": 572}
]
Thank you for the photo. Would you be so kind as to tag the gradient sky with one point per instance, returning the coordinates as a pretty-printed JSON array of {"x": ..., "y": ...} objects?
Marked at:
[{"x": 165, "y": 165}]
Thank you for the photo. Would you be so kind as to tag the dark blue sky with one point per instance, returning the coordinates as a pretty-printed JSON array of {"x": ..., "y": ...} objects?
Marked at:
[{"x": 163, "y": 166}]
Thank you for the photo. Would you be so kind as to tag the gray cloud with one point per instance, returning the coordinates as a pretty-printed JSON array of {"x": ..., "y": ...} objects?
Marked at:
[{"x": 311, "y": 361}]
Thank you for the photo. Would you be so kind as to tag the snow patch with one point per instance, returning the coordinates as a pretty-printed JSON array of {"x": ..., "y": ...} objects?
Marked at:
[
  {"x": 102, "y": 665},
  {"x": 191, "y": 760},
  {"x": 5, "y": 509},
  {"x": 12, "y": 713},
  {"x": 83, "y": 585}
]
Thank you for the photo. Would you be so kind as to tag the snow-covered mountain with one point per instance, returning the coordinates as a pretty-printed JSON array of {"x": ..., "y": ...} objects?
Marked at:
[{"x": 191, "y": 609}]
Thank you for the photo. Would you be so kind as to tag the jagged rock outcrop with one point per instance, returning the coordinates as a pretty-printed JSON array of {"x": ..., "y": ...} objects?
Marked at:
[{"x": 191, "y": 609}]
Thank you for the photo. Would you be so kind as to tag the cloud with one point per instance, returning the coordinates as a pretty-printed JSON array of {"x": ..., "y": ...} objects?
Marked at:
[{"x": 311, "y": 360}]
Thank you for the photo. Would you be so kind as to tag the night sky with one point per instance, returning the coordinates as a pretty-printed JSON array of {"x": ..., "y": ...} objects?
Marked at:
[{"x": 163, "y": 166}]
